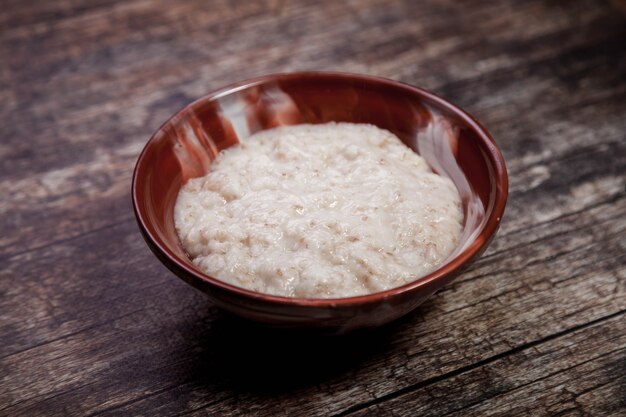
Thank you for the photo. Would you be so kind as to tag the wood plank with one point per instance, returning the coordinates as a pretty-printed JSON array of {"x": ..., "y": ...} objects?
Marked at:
[
  {"x": 141, "y": 79},
  {"x": 18, "y": 13},
  {"x": 554, "y": 289},
  {"x": 560, "y": 375}
]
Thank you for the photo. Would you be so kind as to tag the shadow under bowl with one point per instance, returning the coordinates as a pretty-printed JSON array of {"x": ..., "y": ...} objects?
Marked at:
[{"x": 453, "y": 143}]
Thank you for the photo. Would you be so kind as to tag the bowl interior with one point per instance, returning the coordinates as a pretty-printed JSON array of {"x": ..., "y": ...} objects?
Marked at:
[{"x": 450, "y": 140}]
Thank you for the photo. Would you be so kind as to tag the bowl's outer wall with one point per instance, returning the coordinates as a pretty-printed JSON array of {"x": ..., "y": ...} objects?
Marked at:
[{"x": 184, "y": 147}]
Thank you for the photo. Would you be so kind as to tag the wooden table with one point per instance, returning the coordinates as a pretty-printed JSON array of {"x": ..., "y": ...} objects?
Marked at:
[{"x": 91, "y": 323}]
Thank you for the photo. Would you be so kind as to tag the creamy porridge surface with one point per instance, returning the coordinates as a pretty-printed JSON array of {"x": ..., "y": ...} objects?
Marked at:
[{"x": 319, "y": 211}]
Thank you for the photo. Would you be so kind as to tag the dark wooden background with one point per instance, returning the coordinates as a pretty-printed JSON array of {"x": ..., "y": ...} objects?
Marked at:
[{"x": 91, "y": 323}]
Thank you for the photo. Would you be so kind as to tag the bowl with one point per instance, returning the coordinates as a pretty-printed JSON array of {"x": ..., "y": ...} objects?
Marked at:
[{"x": 452, "y": 142}]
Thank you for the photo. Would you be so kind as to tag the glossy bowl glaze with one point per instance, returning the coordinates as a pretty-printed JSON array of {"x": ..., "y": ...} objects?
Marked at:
[{"x": 454, "y": 144}]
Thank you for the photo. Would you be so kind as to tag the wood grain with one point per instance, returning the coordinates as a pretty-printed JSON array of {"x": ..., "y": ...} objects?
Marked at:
[{"x": 91, "y": 323}]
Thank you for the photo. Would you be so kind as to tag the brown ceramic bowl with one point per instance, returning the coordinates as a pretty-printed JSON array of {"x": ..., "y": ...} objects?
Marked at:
[{"x": 452, "y": 142}]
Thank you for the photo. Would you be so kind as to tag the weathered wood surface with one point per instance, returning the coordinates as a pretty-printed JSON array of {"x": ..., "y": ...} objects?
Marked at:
[{"x": 91, "y": 323}]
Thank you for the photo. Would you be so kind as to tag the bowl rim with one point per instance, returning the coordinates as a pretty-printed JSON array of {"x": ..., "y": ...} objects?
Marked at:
[{"x": 453, "y": 265}]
